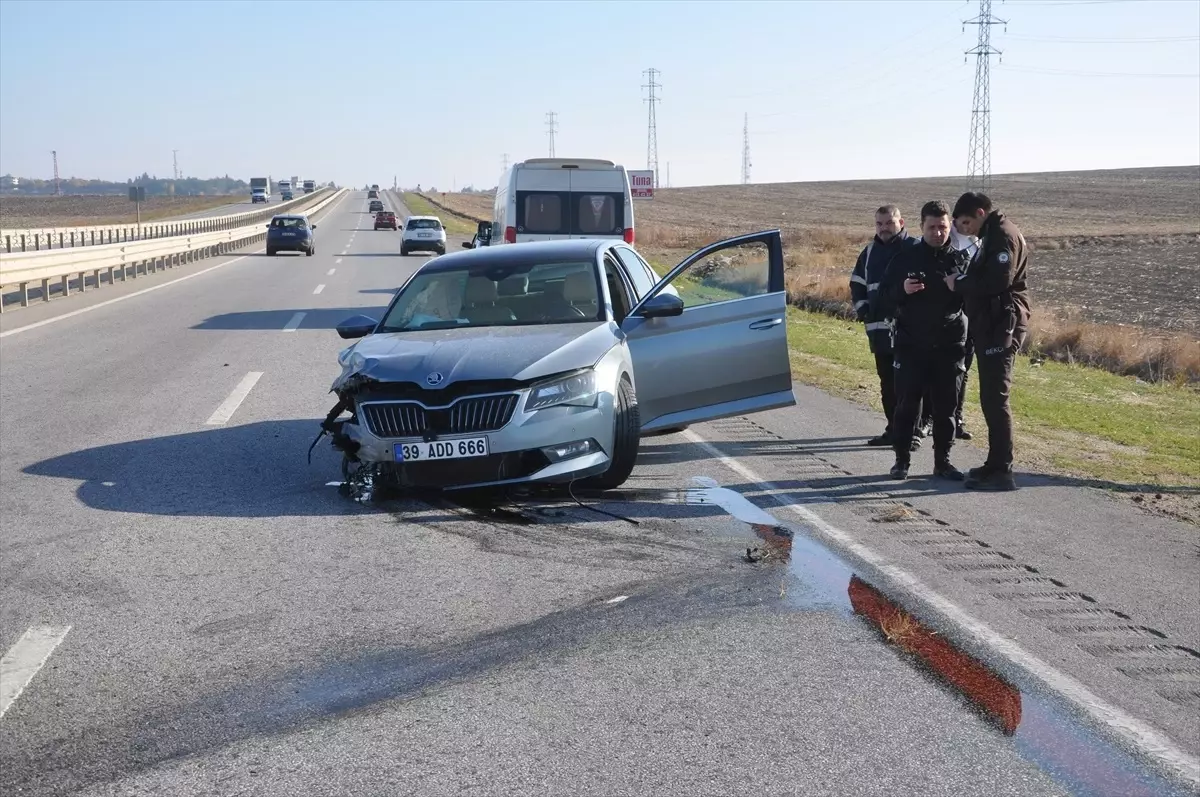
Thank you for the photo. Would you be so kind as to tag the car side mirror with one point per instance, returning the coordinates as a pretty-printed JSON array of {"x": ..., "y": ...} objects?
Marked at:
[
  {"x": 661, "y": 306},
  {"x": 314, "y": 226},
  {"x": 358, "y": 326}
]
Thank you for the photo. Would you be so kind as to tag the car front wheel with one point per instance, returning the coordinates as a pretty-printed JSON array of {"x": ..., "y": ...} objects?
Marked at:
[{"x": 627, "y": 424}]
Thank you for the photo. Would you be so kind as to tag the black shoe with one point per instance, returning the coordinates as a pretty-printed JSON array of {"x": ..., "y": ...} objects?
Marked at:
[
  {"x": 994, "y": 481},
  {"x": 944, "y": 470},
  {"x": 925, "y": 429},
  {"x": 899, "y": 471},
  {"x": 962, "y": 434},
  {"x": 914, "y": 445},
  {"x": 982, "y": 472},
  {"x": 881, "y": 441}
]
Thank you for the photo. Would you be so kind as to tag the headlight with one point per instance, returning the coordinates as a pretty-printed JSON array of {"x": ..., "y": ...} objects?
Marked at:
[{"x": 577, "y": 389}]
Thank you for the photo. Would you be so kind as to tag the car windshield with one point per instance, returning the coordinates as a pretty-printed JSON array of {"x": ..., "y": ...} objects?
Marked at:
[
  {"x": 545, "y": 293},
  {"x": 291, "y": 224},
  {"x": 424, "y": 224}
]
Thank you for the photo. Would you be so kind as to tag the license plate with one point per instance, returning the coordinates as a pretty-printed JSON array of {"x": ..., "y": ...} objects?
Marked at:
[
  {"x": 289, "y": 235},
  {"x": 424, "y": 235},
  {"x": 441, "y": 449}
]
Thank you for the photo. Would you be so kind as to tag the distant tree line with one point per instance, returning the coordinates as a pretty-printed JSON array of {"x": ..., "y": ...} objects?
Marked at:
[{"x": 155, "y": 186}]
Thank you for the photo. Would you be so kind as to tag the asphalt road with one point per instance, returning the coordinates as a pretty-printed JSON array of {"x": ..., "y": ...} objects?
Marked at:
[{"x": 196, "y": 610}]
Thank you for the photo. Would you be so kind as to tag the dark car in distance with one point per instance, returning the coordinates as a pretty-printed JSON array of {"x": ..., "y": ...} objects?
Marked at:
[
  {"x": 385, "y": 220},
  {"x": 290, "y": 233}
]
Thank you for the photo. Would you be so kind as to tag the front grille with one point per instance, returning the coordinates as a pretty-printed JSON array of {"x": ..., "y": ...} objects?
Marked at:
[{"x": 412, "y": 419}]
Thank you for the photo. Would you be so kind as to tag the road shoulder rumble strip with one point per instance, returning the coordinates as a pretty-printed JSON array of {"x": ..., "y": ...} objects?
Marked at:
[{"x": 1113, "y": 637}]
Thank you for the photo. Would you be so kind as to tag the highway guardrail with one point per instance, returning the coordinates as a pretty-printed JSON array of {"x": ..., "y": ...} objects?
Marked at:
[
  {"x": 150, "y": 255},
  {"x": 36, "y": 240}
]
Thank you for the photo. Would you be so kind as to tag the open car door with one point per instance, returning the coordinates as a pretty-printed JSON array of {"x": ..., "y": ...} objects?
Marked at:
[{"x": 719, "y": 347}]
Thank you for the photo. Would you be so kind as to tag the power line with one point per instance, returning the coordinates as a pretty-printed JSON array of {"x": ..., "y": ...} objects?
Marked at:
[
  {"x": 979, "y": 152},
  {"x": 1081, "y": 73},
  {"x": 551, "y": 128},
  {"x": 746, "y": 149},
  {"x": 652, "y": 125},
  {"x": 1114, "y": 40}
]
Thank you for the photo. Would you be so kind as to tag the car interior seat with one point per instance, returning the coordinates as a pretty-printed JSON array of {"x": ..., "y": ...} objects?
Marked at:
[{"x": 479, "y": 303}]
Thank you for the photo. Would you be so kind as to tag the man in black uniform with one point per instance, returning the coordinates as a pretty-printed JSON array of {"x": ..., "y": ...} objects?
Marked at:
[
  {"x": 996, "y": 298},
  {"x": 890, "y": 239},
  {"x": 929, "y": 341}
]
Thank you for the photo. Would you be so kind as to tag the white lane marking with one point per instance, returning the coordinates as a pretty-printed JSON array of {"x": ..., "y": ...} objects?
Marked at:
[
  {"x": 617, "y": 599},
  {"x": 294, "y": 324},
  {"x": 98, "y": 305},
  {"x": 229, "y": 406},
  {"x": 320, "y": 288},
  {"x": 1132, "y": 730},
  {"x": 23, "y": 660},
  {"x": 338, "y": 261},
  {"x": 329, "y": 273}
]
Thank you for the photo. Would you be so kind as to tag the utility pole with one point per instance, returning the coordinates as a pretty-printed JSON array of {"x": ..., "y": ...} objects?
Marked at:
[
  {"x": 979, "y": 155},
  {"x": 504, "y": 163},
  {"x": 746, "y": 150},
  {"x": 668, "y": 185},
  {"x": 175, "y": 162},
  {"x": 652, "y": 124},
  {"x": 57, "y": 184},
  {"x": 552, "y": 128}
]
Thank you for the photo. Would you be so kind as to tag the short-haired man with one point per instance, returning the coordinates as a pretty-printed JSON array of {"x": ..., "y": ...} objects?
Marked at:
[
  {"x": 996, "y": 298},
  {"x": 930, "y": 338},
  {"x": 871, "y": 308}
]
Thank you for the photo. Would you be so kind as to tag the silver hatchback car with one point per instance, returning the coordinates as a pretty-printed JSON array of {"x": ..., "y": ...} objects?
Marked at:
[{"x": 547, "y": 361}]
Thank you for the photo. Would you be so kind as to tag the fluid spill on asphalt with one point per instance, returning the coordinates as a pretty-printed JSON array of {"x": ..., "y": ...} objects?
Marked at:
[{"x": 1043, "y": 728}]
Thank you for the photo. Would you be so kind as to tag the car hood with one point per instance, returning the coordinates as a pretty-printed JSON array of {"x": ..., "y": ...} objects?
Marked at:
[{"x": 481, "y": 353}]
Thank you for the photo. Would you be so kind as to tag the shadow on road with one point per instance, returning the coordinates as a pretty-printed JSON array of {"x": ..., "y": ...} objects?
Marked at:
[{"x": 275, "y": 320}]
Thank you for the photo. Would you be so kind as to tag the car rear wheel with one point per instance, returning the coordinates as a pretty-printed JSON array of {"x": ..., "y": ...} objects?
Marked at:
[
  {"x": 311, "y": 251},
  {"x": 627, "y": 423},
  {"x": 270, "y": 253}
]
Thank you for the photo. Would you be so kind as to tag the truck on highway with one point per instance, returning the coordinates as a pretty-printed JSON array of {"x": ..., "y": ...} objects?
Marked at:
[
  {"x": 310, "y": 186},
  {"x": 285, "y": 190},
  {"x": 260, "y": 189}
]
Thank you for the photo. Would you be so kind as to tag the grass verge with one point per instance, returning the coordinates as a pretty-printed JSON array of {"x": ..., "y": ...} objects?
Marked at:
[
  {"x": 101, "y": 211},
  {"x": 453, "y": 224}
]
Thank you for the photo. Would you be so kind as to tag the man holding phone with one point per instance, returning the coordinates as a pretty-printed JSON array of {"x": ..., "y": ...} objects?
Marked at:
[{"x": 929, "y": 339}]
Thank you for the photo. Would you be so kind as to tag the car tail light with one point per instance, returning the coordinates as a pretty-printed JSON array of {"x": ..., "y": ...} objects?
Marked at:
[
  {"x": 629, "y": 235},
  {"x": 510, "y": 235}
]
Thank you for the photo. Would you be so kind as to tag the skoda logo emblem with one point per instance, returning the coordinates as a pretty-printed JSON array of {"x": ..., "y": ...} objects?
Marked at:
[{"x": 435, "y": 378}]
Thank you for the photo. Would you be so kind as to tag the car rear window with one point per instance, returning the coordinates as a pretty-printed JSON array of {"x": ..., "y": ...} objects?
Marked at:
[
  {"x": 288, "y": 223},
  {"x": 570, "y": 213},
  {"x": 424, "y": 224}
]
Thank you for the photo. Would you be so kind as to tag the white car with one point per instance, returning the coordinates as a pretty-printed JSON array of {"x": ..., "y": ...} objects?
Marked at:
[{"x": 423, "y": 234}]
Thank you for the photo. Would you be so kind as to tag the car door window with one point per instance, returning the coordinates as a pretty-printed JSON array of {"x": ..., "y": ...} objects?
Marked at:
[
  {"x": 737, "y": 271},
  {"x": 617, "y": 289},
  {"x": 640, "y": 274}
]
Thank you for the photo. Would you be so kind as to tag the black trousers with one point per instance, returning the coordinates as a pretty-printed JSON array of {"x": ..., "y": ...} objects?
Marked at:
[
  {"x": 962, "y": 389},
  {"x": 995, "y": 382},
  {"x": 887, "y": 386},
  {"x": 940, "y": 374}
]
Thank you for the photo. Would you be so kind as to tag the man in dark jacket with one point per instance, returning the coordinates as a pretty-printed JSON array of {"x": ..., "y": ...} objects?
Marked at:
[
  {"x": 929, "y": 342},
  {"x": 996, "y": 298},
  {"x": 890, "y": 239}
]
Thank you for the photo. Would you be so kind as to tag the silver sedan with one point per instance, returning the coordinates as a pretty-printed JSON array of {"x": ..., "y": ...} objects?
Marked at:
[{"x": 548, "y": 361}]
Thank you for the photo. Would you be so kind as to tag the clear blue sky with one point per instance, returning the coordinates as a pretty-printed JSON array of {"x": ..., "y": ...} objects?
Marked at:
[{"x": 437, "y": 92}]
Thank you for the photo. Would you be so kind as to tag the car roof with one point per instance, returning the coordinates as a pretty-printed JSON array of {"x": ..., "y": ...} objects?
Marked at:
[
  {"x": 524, "y": 254},
  {"x": 432, "y": 218},
  {"x": 289, "y": 216}
]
